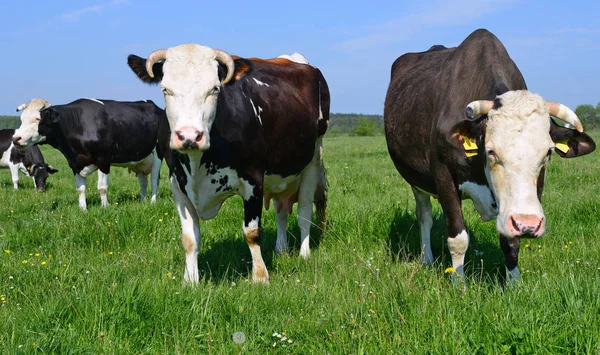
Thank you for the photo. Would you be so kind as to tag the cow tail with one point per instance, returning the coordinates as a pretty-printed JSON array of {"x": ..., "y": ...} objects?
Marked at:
[{"x": 323, "y": 104}]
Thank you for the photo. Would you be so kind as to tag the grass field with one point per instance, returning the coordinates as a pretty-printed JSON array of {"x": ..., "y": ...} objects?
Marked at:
[{"x": 110, "y": 280}]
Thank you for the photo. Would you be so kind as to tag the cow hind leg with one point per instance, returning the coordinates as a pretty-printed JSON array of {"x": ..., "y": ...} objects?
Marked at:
[
  {"x": 14, "y": 173},
  {"x": 252, "y": 233},
  {"x": 155, "y": 175},
  {"x": 281, "y": 245},
  {"x": 143, "y": 181},
  {"x": 510, "y": 248},
  {"x": 321, "y": 199},
  {"x": 425, "y": 217},
  {"x": 80, "y": 184},
  {"x": 103, "y": 188},
  {"x": 306, "y": 194}
]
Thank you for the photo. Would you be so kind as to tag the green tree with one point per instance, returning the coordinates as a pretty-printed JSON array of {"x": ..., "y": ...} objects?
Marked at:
[
  {"x": 364, "y": 127},
  {"x": 588, "y": 116}
]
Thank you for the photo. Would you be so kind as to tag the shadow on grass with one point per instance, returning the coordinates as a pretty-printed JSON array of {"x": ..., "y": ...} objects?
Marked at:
[
  {"x": 229, "y": 258},
  {"x": 484, "y": 259}
]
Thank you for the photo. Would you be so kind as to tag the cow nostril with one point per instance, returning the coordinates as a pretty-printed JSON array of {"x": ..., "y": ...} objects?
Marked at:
[
  {"x": 198, "y": 136},
  {"x": 180, "y": 135},
  {"x": 514, "y": 224},
  {"x": 16, "y": 139}
]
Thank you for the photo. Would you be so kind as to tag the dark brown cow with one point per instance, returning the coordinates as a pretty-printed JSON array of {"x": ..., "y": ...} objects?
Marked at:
[{"x": 497, "y": 157}]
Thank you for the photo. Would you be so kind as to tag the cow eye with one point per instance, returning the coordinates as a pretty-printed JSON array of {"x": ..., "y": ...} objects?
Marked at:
[
  {"x": 37, "y": 119},
  {"x": 216, "y": 89},
  {"x": 550, "y": 152}
]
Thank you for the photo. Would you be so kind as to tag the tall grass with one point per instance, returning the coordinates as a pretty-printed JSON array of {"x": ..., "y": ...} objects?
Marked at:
[{"x": 110, "y": 280}]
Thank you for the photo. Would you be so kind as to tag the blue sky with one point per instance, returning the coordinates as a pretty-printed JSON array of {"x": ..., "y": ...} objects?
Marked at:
[{"x": 63, "y": 50}]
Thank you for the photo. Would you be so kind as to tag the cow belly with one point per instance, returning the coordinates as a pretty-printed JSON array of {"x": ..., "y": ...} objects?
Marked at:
[
  {"x": 143, "y": 166},
  {"x": 282, "y": 189},
  {"x": 211, "y": 190},
  {"x": 5, "y": 158}
]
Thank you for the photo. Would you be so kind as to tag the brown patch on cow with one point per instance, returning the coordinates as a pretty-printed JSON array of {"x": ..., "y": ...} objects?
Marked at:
[
  {"x": 241, "y": 70},
  {"x": 275, "y": 61},
  {"x": 102, "y": 191},
  {"x": 188, "y": 243},
  {"x": 252, "y": 236},
  {"x": 259, "y": 274}
]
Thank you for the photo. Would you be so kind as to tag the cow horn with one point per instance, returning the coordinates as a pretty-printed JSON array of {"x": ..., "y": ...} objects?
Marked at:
[
  {"x": 565, "y": 114},
  {"x": 226, "y": 59},
  {"x": 479, "y": 107},
  {"x": 22, "y": 107},
  {"x": 156, "y": 56}
]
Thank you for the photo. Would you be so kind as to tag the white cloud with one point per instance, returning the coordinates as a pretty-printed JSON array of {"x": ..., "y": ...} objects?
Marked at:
[
  {"x": 75, "y": 15},
  {"x": 439, "y": 14}
]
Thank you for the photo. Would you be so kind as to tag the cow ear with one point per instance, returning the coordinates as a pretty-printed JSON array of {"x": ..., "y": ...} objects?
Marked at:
[
  {"x": 569, "y": 142},
  {"x": 49, "y": 115},
  {"x": 467, "y": 134},
  {"x": 51, "y": 170},
  {"x": 138, "y": 65}
]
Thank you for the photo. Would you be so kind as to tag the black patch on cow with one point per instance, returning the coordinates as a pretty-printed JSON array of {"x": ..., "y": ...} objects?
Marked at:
[
  {"x": 579, "y": 142},
  {"x": 180, "y": 161},
  {"x": 497, "y": 103}
]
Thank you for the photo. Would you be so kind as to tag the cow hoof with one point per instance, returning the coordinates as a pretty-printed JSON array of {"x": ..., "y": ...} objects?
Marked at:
[
  {"x": 281, "y": 248},
  {"x": 305, "y": 253},
  {"x": 153, "y": 199}
]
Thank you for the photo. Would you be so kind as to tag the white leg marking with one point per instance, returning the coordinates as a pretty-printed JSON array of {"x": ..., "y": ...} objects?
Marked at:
[
  {"x": 259, "y": 269},
  {"x": 458, "y": 248},
  {"x": 190, "y": 232},
  {"x": 103, "y": 188},
  {"x": 80, "y": 184},
  {"x": 155, "y": 175},
  {"x": 281, "y": 246},
  {"x": 143, "y": 181},
  {"x": 424, "y": 215},
  {"x": 14, "y": 173}
]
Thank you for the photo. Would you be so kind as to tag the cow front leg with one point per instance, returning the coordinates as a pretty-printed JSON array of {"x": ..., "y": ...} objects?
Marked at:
[
  {"x": 143, "y": 181},
  {"x": 281, "y": 246},
  {"x": 14, "y": 173},
  {"x": 80, "y": 184},
  {"x": 103, "y": 187},
  {"x": 190, "y": 232},
  {"x": 458, "y": 238},
  {"x": 252, "y": 233},
  {"x": 510, "y": 248},
  {"x": 425, "y": 217}
]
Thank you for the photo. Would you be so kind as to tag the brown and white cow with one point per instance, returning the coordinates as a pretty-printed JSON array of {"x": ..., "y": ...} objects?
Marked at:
[
  {"x": 497, "y": 157},
  {"x": 247, "y": 127}
]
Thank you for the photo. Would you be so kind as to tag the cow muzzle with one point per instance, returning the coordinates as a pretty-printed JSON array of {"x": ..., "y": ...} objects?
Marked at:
[
  {"x": 526, "y": 225},
  {"x": 189, "y": 138}
]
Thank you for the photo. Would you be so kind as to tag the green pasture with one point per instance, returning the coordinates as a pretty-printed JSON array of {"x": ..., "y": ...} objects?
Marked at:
[{"x": 110, "y": 280}]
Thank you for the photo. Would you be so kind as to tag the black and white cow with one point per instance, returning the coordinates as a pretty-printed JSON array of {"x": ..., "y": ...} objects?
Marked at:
[
  {"x": 497, "y": 157},
  {"x": 95, "y": 134},
  {"x": 247, "y": 127},
  {"x": 29, "y": 161}
]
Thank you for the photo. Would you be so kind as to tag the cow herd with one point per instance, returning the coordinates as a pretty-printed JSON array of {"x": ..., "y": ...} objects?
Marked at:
[{"x": 459, "y": 124}]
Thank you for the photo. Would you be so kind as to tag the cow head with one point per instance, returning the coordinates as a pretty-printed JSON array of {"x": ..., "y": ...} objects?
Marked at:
[
  {"x": 517, "y": 138},
  {"x": 40, "y": 173},
  {"x": 28, "y": 133},
  {"x": 189, "y": 78}
]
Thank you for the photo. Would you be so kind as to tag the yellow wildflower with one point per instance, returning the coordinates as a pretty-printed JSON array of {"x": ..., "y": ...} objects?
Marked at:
[
  {"x": 7, "y": 251},
  {"x": 43, "y": 263},
  {"x": 37, "y": 254},
  {"x": 450, "y": 270},
  {"x": 110, "y": 253},
  {"x": 24, "y": 262},
  {"x": 2, "y": 299},
  {"x": 160, "y": 220}
]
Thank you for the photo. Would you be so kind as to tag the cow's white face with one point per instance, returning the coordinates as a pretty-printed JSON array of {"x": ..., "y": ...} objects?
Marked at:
[
  {"x": 518, "y": 146},
  {"x": 28, "y": 133},
  {"x": 191, "y": 87}
]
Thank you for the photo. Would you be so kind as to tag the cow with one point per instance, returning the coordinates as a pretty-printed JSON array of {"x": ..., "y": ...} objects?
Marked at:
[
  {"x": 241, "y": 126},
  {"x": 497, "y": 156},
  {"x": 29, "y": 161},
  {"x": 95, "y": 135}
]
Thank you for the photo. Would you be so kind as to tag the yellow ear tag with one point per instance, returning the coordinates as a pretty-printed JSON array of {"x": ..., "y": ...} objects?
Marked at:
[
  {"x": 470, "y": 147},
  {"x": 562, "y": 146}
]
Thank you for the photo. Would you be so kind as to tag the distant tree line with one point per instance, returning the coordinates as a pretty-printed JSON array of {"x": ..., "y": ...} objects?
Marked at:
[
  {"x": 356, "y": 124},
  {"x": 589, "y": 116},
  {"x": 10, "y": 122}
]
